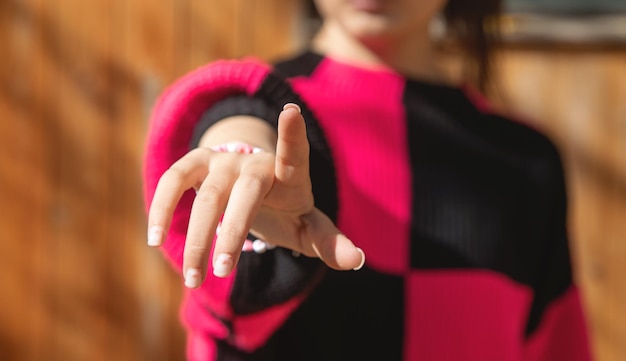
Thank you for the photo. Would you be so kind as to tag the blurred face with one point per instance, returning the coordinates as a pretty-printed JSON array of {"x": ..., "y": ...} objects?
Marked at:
[{"x": 379, "y": 19}]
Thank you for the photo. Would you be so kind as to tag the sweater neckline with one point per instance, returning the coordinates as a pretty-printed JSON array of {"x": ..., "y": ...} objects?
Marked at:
[
  {"x": 433, "y": 91},
  {"x": 382, "y": 70}
]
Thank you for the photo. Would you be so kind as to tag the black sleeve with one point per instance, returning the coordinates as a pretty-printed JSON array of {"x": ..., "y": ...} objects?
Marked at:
[{"x": 235, "y": 105}]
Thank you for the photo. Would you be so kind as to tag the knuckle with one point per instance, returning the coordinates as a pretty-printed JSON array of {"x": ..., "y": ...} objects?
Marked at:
[
  {"x": 209, "y": 192},
  {"x": 292, "y": 162},
  {"x": 201, "y": 151},
  {"x": 176, "y": 174},
  {"x": 229, "y": 231},
  {"x": 196, "y": 251},
  {"x": 253, "y": 179}
]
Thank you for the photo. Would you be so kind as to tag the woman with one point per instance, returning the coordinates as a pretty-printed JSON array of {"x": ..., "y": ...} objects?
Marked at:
[{"x": 460, "y": 211}]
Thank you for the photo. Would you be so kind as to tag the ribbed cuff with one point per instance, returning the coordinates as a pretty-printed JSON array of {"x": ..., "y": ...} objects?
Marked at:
[{"x": 231, "y": 106}]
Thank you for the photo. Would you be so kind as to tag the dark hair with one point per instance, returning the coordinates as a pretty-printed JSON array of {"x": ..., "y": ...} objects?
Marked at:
[{"x": 473, "y": 28}]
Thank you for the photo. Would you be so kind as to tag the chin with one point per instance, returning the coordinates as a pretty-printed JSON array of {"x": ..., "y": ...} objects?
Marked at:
[{"x": 369, "y": 27}]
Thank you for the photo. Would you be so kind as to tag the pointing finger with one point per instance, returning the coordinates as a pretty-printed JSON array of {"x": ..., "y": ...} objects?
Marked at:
[{"x": 292, "y": 147}]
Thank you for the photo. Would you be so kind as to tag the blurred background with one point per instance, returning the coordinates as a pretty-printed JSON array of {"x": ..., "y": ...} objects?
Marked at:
[{"x": 77, "y": 83}]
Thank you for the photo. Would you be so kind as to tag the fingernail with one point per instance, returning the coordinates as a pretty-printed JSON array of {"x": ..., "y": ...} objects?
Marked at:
[
  {"x": 155, "y": 233},
  {"x": 362, "y": 259},
  {"x": 223, "y": 264},
  {"x": 192, "y": 278},
  {"x": 293, "y": 105}
]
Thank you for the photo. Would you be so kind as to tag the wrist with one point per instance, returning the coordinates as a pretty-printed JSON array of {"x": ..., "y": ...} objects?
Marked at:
[{"x": 240, "y": 129}]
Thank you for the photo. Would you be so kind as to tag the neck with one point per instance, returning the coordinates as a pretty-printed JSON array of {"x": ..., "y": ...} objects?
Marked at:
[{"x": 414, "y": 56}]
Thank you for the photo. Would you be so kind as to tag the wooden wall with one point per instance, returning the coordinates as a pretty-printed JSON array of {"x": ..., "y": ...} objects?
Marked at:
[{"x": 77, "y": 81}]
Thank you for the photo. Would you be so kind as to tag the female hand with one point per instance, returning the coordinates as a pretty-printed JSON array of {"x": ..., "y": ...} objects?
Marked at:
[{"x": 267, "y": 194}]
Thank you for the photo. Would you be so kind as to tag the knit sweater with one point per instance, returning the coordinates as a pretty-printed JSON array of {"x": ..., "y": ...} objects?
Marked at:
[{"x": 461, "y": 213}]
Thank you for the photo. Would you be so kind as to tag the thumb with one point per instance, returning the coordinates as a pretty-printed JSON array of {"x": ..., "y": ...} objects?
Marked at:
[{"x": 330, "y": 245}]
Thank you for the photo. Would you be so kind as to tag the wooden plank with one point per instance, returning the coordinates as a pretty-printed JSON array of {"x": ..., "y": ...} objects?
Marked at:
[
  {"x": 80, "y": 301},
  {"x": 150, "y": 54},
  {"x": 274, "y": 28},
  {"x": 148, "y": 34},
  {"x": 25, "y": 190},
  {"x": 67, "y": 250}
]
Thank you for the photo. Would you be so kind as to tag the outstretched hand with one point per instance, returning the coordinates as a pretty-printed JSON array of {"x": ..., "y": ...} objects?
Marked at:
[{"x": 268, "y": 194}]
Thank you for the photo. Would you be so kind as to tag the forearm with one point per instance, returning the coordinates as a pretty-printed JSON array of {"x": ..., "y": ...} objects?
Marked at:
[{"x": 241, "y": 128}]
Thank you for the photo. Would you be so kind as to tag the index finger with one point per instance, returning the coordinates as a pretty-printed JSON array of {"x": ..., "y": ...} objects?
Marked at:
[{"x": 292, "y": 147}]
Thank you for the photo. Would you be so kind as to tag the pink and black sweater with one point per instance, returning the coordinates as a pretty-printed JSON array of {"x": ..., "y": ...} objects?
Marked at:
[{"x": 461, "y": 214}]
